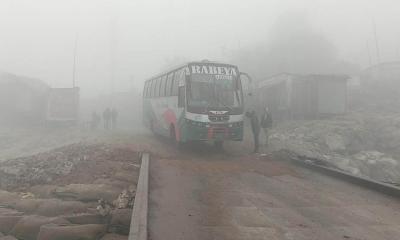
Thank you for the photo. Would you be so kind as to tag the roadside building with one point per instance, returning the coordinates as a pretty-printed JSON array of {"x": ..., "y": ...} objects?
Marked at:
[
  {"x": 22, "y": 99},
  {"x": 291, "y": 96},
  {"x": 63, "y": 106}
]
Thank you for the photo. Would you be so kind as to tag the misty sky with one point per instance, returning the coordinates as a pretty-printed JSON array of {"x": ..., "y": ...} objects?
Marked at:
[{"x": 140, "y": 37}]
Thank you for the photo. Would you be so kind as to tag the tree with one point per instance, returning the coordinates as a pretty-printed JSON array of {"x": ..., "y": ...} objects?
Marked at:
[{"x": 295, "y": 47}]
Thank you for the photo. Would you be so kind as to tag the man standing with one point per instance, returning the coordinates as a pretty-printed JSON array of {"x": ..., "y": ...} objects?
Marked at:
[
  {"x": 106, "y": 118},
  {"x": 114, "y": 116},
  {"x": 266, "y": 123},
  {"x": 95, "y": 121},
  {"x": 255, "y": 128}
]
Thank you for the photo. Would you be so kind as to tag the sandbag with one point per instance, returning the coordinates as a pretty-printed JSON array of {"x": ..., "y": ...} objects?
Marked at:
[
  {"x": 87, "y": 218},
  {"x": 72, "y": 232},
  {"x": 120, "y": 221},
  {"x": 28, "y": 206},
  {"x": 9, "y": 212},
  {"x": 113, "y": 236},
  {"x": 43, "y": 191},
  {"x": 56, "y": 207},
  {"x": 8, "y": 198},
  {"x": 8, "y": 238},
  {"x": 127, "y": 176},
  {"x": 49, "y": 207},
  {"x": 87, "y": 192},
  {"x": 7, "y": 223},
  {"x": 28, "y": 227},
  {"x": 112, "y": 182}
]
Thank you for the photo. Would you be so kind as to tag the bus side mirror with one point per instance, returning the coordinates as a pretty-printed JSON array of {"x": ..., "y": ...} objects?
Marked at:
[{"x": 181, "y": 97}]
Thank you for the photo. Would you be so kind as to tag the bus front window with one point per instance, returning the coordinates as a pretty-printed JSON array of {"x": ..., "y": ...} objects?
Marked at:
[{"x": 212, "y": 92}]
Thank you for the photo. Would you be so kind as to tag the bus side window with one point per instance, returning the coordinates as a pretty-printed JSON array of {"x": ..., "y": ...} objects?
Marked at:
[
  {"x": 149, "y": 89},
  {"x": 162, "y": 85},
  {"x": 181, "y": 97},
  {"x": 170, "y": 79},
  {"x": 157, "y": 87},
  {"x": 146, "y": 86},
  {"x": 152, "y": 86},
  {"x": 175, "y": 83}
]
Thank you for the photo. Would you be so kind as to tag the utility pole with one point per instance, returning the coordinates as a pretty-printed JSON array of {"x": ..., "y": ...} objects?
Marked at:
[
  {"x": 74, "y": 62},
  {"x": 369, "y": 54},
  {"x": 113, "y": 42},
  {"x": 378, "y": 54}
]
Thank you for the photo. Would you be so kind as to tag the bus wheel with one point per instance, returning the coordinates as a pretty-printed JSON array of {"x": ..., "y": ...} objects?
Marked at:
[{"x": 219, "y": 145}]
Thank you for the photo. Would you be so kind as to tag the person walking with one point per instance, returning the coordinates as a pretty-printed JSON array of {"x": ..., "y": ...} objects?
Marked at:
[
  {"x": 95, "y": 121},
  {"x": 266, "y": 124},
  {"x": 114, "y": 116},
  {"x": 255, "y": 128},
  {"x": 107, "y": 118}
]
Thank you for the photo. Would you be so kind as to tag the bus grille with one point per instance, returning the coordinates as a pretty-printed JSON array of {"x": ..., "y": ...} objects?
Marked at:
[{"x": 218, "y": 118}]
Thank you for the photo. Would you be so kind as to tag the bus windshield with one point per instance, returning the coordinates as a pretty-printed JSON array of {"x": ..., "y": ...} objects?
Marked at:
[{"x": 214, "y": 91}]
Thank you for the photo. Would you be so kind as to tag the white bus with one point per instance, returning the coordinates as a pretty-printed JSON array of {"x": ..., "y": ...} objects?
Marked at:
[{"x": 198, "y": 101}]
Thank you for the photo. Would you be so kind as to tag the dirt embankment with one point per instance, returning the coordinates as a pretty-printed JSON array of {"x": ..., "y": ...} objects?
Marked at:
[
  {"x": 363, "y": 144},
  {"x": 80, "y": 191}
]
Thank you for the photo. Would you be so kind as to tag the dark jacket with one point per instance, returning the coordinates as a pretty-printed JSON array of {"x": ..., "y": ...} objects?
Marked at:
[
  {"x": 255, "y": 124},
  {"x": 266, "y": 120}
]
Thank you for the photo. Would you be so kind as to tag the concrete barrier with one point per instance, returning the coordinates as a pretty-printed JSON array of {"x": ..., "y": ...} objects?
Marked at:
[{"x": 138, "y": 228}]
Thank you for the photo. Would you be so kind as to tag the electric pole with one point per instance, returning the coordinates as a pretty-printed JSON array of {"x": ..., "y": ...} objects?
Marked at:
[
  {"x": 378, "y": 54},
  {"x": 74, "y": 62},
  {"x": 369, "y": 54}
]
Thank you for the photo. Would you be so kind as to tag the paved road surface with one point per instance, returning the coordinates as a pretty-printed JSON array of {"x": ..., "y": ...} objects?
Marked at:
[{"x": 222, "y": 197}]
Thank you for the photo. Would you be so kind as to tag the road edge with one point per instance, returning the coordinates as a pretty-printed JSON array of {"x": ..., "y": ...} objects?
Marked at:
[
  {"x": 138, "y": 228},
  {"x": 384, "y": 188}
]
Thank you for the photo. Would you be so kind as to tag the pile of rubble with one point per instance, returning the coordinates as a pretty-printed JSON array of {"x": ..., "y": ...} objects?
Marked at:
[
  {"x": 75, "y": 192},
  {"x": 366, "y": 145}
]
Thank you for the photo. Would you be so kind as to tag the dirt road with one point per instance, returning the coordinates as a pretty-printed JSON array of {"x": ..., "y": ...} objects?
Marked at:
[{"x": 217, "y": 196}]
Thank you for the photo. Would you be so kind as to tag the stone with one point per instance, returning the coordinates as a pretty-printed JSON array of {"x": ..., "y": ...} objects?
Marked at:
[
  {"x": 335, "y": 143},
  {"x": 124, "y": 200},
  {"x": 377, "y": 165}
]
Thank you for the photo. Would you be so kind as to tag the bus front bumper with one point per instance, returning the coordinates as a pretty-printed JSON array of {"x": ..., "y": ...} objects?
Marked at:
[{"x": 193, "y": 131}]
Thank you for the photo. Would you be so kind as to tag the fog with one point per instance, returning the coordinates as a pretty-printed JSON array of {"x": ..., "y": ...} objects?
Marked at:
[
  {"x": 276, "y": 119},
  {"x": 120, "y": 43}
]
